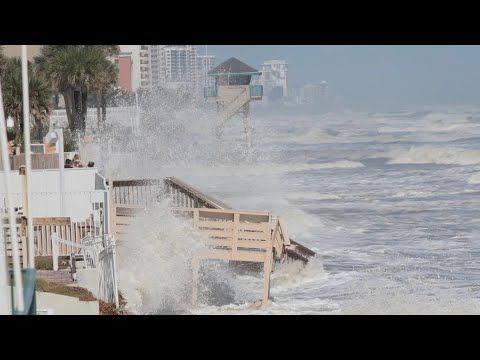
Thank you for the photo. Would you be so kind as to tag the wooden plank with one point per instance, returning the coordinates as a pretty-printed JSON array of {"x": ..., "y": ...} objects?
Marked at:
[
  {"x": 124, "y": 220},
  {"x": 260, "y": 236},
  {"x": 194, "y": 193},
  {"x": 77, "y": 232},
  {"x": 242, "y": 245},
  {"x": 236, "y": 219},
  {"x": 253, "y": 244},
  {"x": 219, "y": 233},
  {"x": 141, "y": 182},
  {"x": 128, "y": 206},
  {"x": 264, "y": 226},
  {"x": 43, "y": 221},
  {"x": 208, "y": 224},
  {"x": 218, "y": 254}
]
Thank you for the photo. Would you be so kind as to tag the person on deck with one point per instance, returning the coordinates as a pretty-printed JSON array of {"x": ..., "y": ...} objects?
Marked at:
[
  {"x": 68, "y": 164},
  {"x": 76, "y": 161}
]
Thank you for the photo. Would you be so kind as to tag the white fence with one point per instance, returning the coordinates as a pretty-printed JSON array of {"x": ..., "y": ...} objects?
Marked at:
[
  {"x": 122, "y": 115},
  {"x": 79, "y": 205},
  {"x": 98, "y": 253},
  {"x": 107, "y": 274}
]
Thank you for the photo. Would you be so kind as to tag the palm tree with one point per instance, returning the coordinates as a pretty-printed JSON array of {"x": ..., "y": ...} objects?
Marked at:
[
  {"x": 76, "y": 70},
  {"x": 3, "y": 61},
  {"x": 39, "y": 94}
]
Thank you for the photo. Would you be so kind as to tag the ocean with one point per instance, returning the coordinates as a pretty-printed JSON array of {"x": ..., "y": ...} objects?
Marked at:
[{"x": 387, "y": 200}]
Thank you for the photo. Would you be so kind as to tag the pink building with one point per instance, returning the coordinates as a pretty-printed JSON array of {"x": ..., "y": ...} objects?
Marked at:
[{"x": 125, "y": 71}]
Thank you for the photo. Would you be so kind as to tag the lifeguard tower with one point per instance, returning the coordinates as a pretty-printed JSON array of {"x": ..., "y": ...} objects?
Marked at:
[{"x": 233, "y": 92}]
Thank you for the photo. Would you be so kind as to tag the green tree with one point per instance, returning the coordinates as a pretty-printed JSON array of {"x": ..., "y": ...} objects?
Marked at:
[
  {"x": 39, "y": 94},
  {"x": 76, "y": 70},
  {"x": 3, "y": 61}
]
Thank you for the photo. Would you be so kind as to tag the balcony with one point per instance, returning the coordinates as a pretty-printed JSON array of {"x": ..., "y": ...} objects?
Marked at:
[
  {"x": 256, "y": 91},
  {"x": 210, "y": 91}
]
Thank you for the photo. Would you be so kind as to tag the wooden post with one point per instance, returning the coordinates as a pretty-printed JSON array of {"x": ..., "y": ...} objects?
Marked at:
[
  {"x": 195, "y": 270},
  {"x": 54, "y": 251},
  {"x": 113, "y": 214},
  {"x": 236, "y": 222},
  {"x": 23, "y": 237},
  {"x": 195, "y": 218},
  {"x": 267, "y": 269},
  {"x": 23, "y": 229}
]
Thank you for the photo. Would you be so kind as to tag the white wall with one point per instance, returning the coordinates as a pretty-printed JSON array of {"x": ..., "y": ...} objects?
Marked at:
[{"x": 79, "y": 193}]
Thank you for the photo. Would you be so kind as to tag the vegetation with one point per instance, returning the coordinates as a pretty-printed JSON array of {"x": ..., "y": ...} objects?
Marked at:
[
  {"x": 3, "y": 60},
  {"x": 61, "y": 289},
  {"x": 75, "y": 71},
  {"x": 82, "y": 295},
  {"x": 46, "y": 262},
  {"x": 40, "y": 94}
]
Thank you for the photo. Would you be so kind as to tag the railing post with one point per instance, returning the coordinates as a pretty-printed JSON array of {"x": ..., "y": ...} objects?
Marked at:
[
  {"x": 114, "y": 262},
  {"x": 55, "y": 251},
  {"x": 267, "y": 269},
  {"x": 195, "y": 270},
  {"x": 236, "y": 223}
]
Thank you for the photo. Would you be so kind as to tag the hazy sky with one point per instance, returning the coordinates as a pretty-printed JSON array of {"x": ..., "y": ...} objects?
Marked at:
[{"x": 393, "y": 75}]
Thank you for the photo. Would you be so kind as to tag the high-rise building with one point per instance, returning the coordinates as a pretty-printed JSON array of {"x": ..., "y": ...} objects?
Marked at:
[
  {"x": 178, "y": 67},
  {"x": 310, "y": 94},
  {"x": 140, "y": 58},
  {"x": 155, "y": 62},
  {"x": 324, "y": 89},
  {"x": 171, "y": 66},
  {"x": 125, "y": 71},
  {"x": 205, "y": 63},
  {"x": 275, "y": 79}
]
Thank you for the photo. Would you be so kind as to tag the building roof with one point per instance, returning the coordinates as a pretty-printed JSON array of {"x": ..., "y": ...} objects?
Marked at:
[{"x": 233, "y": 66}]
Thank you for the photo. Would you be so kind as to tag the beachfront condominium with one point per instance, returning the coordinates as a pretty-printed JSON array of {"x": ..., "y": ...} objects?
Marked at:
[
  {"x": 180, "y": 67},
  {"x": 274, "y": 79},
  {"x": 314, "y": 93},
  {"x": 139, "y": 72},
  {"x": 177, "y": 67}
]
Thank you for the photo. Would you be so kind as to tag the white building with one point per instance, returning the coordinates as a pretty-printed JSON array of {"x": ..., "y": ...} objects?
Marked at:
[
  {"x": 310, "y": 94},
  {"x": 275, "y": 79},
  {"x": 155, "y": 62},
  {"x": 170, "y": 66},
  {"x": 314, "y": 93},
  {"x": 178, "y": 67},
  {"x": 205, "y": 63}
]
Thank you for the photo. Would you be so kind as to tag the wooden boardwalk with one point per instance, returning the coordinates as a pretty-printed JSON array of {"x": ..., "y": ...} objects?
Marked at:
[{"x": 235, "y": 235}]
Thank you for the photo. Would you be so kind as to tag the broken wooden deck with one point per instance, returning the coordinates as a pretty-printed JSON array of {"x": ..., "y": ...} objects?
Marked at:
[{"x": 235, "y": 235}]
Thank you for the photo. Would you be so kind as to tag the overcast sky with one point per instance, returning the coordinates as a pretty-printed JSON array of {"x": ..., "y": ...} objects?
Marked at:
[{"x": 392, "y": 75}]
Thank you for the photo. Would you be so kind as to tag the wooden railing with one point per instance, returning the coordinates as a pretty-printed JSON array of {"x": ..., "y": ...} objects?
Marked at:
[
  {"x": 146, "y": 191},
  {"x": 39, "y": 161},
  {"x": 122, "y": 216},
  {"x": 74, "y": 232},
  {"x": 136, "y": 192},
  {"x": 143, "y": 192},
  {"x": 184, "y": 195},
  {"x": 234, "y": 236},
  {"x": 22, "y": 240}
]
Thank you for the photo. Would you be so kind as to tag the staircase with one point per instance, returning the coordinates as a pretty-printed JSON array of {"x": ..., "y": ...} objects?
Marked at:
[{"x": 232, "y": 107}]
